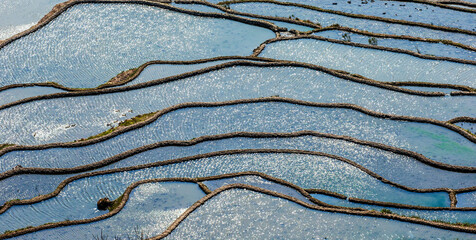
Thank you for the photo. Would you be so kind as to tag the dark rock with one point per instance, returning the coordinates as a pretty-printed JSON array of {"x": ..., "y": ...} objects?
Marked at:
[{"x": 104, "y": 204}]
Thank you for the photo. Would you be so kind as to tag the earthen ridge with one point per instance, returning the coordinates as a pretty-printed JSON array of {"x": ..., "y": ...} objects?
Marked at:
[
  {"x": 210, "y": 194},
  {"x": 231, "y": 11},
  {"x": 353, "y": 15},
  {"x": 65, "y": 182},
  {"x": 383, "y": 35},
  {"x": 129, "y": 153},
  {"x": 336, "y": 210},
  {"x": 59, "y": 9},
  {"x": 158, "y": 114},
  {"x": 360, "y": 45},
  {"x": 269, "y": 63},
  {"x": 318, "y": 28},
  {"x": 323, "y": 207},
  {"x": 443, "y": 4}
]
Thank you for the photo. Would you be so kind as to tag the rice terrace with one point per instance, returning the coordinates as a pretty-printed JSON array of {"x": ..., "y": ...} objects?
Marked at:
[{"x": 243, "y": 119}]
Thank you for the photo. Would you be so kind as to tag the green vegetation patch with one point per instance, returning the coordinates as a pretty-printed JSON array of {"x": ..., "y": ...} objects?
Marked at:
[
  {"x": 386, "y": 211},
  {"x": 136, "y": 119},
  {"x": 98, "y": 135},
  {"x": 125, "y": 123},
  {"x": 2, "y": 146},
  {"x": 115, "y": 203},
  {"x": 120, "y": 78}
]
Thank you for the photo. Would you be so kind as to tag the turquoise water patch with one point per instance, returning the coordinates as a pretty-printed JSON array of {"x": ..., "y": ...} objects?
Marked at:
[{"x": 434, "y": 215}]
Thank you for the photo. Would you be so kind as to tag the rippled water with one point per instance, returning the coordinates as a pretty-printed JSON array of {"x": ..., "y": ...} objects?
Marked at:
[
  {"x": 87, "y": 45},
  {"x": 437, "y": 143},
  {"x": 468, "y": 126},
  {"x": 15, "y": 94},
  {"x": 244, "y": 214},
  {"x": 157, "y": 71},
  {"x": 38, "y": 122},
  {"x": 90, "y": 43},
  {"x": 385, "y": 66},
  {"x": 466, "y": 199},
  {"x": 437, "y": 49},
  {"x": 204, "y": 8},
  {"x": 442, "y": 215},
  {"x": 257, "y": 182},
  {"x": 327, "y": 19},
  {"x": 409, "y": 11},
  {"x": 19, "y": 15},
  {"x": 303, "y": 170},
  {"x": 150, "y": 210},
  {"x": 397, "y": 168}
]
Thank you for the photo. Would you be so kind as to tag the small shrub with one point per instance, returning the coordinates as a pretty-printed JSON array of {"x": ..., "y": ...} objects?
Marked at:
[
  {"x": 372, "y": 41},
  {"x": 135, "y": 119},
  {"x": 346, "y": 37},
  {"x": 386, "y": 211}
]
